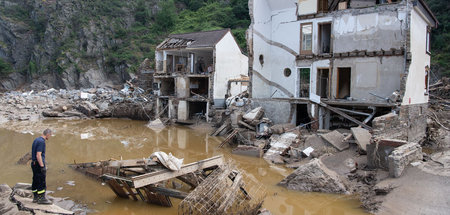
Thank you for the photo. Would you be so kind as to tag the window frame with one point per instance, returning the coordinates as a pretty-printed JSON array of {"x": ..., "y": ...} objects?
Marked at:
[
  {"x": 306, "y": 52},
  {"x": 428, "y": 41}
]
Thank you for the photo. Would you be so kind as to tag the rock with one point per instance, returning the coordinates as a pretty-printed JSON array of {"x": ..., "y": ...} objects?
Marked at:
[
  {"x": 278, "y": 144},
  {"x": 87, "y": 108},
  {"x": 314, "y": 177},
  {"x": 24, "y": 159},
  {"x": 49, "y": 113},
  {"x": 22, "y": 195},
  {"x": 254, "y": 115},
  {"x": 156, "y": 124},
  {"x": 336, "y": 139},
  {"x": 402, "y": 156},
  {"x": 6, "y": 206}
]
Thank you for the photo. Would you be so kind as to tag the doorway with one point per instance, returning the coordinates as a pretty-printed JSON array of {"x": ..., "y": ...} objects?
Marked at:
[
  {"x": 302, "y": 115},
  {"x": 325, "y": 38},
  {"x": 344, "y": 78},
  {"x": 322, "y": 82}
]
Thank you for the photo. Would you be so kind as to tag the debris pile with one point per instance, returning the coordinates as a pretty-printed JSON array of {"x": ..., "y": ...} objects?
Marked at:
[
  {"x": 18, "y": 200},
  {"x": 130, "y": 102},
  {"x": 216, "y": 187},
  {"x": 225, "y": 191}
]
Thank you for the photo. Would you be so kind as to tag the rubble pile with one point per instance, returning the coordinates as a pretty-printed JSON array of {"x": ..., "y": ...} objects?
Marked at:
[
  {"x": 84, "y": 103},
  {"x": 18, "y": 200},
  {"x": 439, "y": 114}
]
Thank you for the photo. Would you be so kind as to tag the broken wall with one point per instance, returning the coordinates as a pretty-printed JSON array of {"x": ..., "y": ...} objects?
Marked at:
[
  {"x": 370, "y": 29},
  {"x": 280, "y": 112},
  {"x": 415, "y": 92},
  {"x": 377, "y": 75},
  {"x": 272, "y": 21},
  {"x": 409, "y": 124},
  {"x": 230, "y": 64}
]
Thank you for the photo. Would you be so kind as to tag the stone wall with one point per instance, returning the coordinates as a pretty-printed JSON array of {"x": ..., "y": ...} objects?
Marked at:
[{"x": 410, "y": 124}]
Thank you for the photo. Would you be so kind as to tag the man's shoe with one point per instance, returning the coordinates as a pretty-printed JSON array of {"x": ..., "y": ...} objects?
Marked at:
[
  {"x": 35, "y": 197},
  {"x": 43, "y": 201}
]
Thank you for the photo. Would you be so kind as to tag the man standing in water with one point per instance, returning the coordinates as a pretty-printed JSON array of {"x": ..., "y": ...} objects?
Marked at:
[{"x": 39, "y": 168}]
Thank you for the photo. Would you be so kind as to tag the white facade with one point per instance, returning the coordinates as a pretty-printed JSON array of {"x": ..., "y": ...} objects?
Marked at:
[
  {"x": 275, "y": 36},
  {"x": 230, "y": 64}
]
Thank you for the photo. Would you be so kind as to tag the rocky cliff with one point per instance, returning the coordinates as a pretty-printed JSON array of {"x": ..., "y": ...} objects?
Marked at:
[{"x": 66, "y": 43}]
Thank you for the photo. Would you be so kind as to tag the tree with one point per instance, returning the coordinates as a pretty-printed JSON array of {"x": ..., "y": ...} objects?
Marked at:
[{"x": 166, "y": 17}]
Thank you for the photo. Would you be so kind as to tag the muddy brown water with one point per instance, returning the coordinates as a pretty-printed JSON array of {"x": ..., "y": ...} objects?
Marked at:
[{"x": 93, "y": 140}]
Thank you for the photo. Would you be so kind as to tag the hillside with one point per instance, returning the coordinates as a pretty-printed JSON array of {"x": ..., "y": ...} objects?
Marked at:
[
  {"x": 440, "y": 37},
  {"x": 75, "y": 43}
]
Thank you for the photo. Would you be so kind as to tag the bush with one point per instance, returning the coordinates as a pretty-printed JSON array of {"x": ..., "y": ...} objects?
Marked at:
[{"x": 5, "y": 67}]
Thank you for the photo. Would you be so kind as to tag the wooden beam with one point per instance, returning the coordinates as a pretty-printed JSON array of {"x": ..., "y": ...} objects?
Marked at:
[
  {"x": 168, "y": 192},
  {"x": 229, "y": 138},
  {"x": 162, "y": 175},
  {"x": 344, "y": 115},
  {"x": 132, "y": 163}
]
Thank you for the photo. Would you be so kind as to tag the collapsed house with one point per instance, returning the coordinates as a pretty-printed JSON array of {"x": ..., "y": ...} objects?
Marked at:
[
  {"x": 336, "y": 63},
  {"x": 193, "y": 71}
]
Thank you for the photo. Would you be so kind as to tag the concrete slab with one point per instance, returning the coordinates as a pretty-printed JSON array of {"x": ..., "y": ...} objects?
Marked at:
[
  {"x": 252, "y": 151},
  {"x": 278, "y": 144},
  {"x": 336, "y": 139},
  {"x": 27, "y": 204},
  {"x": 362, "y": 137}
]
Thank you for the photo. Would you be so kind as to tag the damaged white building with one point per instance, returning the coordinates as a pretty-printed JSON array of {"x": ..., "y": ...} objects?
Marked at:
[
  {"x": 194, "y": 71},
  {"x": 340, "y": 63}
]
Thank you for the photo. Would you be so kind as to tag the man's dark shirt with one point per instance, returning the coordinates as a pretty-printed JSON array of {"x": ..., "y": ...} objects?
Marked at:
[{"x": 38, "y": 146}]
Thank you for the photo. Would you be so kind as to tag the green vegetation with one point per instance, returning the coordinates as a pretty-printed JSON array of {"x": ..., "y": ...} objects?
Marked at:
[
  {"x": 5, "y": 68},
  {"x": 440, "y": 37},
  {"x": 126, "y": 41}
]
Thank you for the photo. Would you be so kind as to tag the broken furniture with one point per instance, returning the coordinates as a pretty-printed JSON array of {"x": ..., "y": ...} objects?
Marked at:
[{"x": 224, "y": 186}]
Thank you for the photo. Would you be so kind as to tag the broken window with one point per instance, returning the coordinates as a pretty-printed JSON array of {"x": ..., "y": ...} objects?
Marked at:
[
  {"x": 322, "y": 6},
  {"x": 306, "y": 38},
  {"x": 167, "y": 87},
  {"x": 169, "y": 63},
  {"x": 343, "y": 83},
  {"x": 427, "y": 71},
  {"x": 304, "y": 82},
  {"x": 322, "y": 82},
  {"x": 197, "y": 110},
  {"x": 199, "y": 87},
  {"x": 428, "y": 42},
  {"x": 325, "y": 38}
]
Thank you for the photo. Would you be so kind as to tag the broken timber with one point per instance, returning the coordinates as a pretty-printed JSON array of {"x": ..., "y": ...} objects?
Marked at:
[
  {"x": 335, "y": 110},
  {"x": 229, "y": 138},
  {"x": 165, "y": 174}
]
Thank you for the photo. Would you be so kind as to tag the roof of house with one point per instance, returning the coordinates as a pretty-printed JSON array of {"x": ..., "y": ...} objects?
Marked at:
[{"x": 204, "y": 39}]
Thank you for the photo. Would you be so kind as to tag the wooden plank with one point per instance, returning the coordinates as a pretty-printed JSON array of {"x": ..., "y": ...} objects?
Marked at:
[
  {"x": 132, "y": 163},
  {"x": 138, "y": 191},
  {"x": 109, "y": 177},
  {"x": 169, "y": 192},
  {"x": 230, "y": 198},
  {"x": 130, "y": 191},
  {"x": 220, "y": 129},
  {"x": 246, "y": 125},
  {"x": 156, "y": 198},
  {"x": 229, "y": 138},
  {"x": 118, "y": 190},
  {"x": 158, "y": 176}
]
